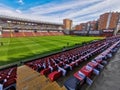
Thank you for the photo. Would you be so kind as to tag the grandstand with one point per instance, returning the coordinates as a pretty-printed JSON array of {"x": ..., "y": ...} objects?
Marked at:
[
  {"x": 21, "y": 27},
  {"x": 42, "y": 73},
  {"x": 31, "y": 33}
]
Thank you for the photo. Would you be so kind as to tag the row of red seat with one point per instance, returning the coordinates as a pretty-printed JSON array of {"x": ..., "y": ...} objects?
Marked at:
[
  {"x": 8, "y": 76},
  {"x": 93, "y": 67},
  {"x": 55, "y": 59},
  {"x": 56, "y": 65},
  {"x": 63, "y": 69},
  {"x": 29, "y": 34}
]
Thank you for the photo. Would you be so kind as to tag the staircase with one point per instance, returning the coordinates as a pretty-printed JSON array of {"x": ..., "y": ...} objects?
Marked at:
[
  {"x": 33, "y": 33},
  {"x": 23, "y": 34},
  {"x": 11, "y": 34},
  {"x": 52, "y": 86},
  {"x": 29, "y": 79}
]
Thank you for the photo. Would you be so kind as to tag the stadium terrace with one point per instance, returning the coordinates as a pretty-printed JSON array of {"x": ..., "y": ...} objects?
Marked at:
[{"x": 39, "y": 55}]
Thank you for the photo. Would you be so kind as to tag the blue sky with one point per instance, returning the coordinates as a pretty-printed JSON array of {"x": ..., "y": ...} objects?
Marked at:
[{"x": 56, "y": 10}]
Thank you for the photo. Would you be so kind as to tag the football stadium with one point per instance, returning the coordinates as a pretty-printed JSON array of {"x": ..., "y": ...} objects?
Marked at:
[{"x": 45, "y": 45}]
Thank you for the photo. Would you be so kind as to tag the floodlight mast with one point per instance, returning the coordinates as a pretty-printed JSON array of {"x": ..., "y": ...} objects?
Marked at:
[{"x": 118, "y": 26}]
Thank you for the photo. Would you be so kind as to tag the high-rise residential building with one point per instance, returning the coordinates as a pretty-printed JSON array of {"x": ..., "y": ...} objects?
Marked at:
[
  {"x": 91, "y": 25},
  {"x": 67, "y": 24},
  {"x": 79, "y": 27},
  {"x": 108, "y": 21}
]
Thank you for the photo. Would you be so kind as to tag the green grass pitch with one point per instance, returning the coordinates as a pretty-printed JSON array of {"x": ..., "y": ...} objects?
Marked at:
[{"x": 16, "y": 49}]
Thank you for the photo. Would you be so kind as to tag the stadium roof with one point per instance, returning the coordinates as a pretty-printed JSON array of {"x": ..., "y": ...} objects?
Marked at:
[{"x": 26, "y": 18}]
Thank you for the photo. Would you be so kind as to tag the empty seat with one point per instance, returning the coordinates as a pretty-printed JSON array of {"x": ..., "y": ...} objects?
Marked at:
[
  {"x": 9, "y": 82},
  {"x": 72, "y": 64},
  {"x": 45, "y": 71},
  {"x": 54, "y": 75}
]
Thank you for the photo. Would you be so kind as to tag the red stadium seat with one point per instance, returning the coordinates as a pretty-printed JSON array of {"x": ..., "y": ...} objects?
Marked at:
[
  {"x": 54, "y": 75},
  {"x": 87, "y": 70},
  {"x": 9, "y": 82},
  {"x": 45, "y": 71},
  {"x": 72, "y": 64},
  {"x": 55, "y": 68},
  {"x": 93, "y": 64},
  {"x": 60, "y": 64}
]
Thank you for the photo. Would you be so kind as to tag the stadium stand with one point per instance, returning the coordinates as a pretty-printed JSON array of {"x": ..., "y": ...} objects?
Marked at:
[
  {"x": 6, "y": 34},
  {"x": 58, "y": 65},
  {"x": 8, "y": 78},
  {"x": 30, "y": 34},
  {"x": 28, "y": 79},
  {"x": 31, "y": 76},
  {"x": 84, "y": 75},
  {"x": 17, "y": 34}
]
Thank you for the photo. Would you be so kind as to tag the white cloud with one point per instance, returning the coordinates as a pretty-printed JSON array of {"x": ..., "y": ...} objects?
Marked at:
[
  {"x": 18, "y": 11},
  {"x": 106, "y": 5},
  {"x": 49, "y": 8},
  {"x": 20, "y": 2},
  {"x": 77, "y": 10}
]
